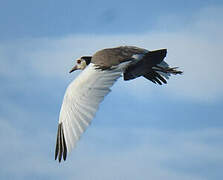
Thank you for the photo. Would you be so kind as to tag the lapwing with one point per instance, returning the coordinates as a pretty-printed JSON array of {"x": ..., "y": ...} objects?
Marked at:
[{"x": 100, "y": 72}]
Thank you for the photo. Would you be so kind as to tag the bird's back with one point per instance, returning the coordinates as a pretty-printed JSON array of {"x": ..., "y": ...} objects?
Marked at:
[{"x": 109, "y": 57}]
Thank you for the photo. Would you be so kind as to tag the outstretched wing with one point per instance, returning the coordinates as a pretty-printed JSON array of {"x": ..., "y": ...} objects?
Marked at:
[{"x": 80, "y": 104}]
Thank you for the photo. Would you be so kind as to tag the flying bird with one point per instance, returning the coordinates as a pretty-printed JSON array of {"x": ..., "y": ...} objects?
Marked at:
[{"x": 100, "y": 72}]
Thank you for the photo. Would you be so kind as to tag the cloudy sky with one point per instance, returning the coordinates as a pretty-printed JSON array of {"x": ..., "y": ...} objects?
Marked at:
[{"x": 141, "y": 131}]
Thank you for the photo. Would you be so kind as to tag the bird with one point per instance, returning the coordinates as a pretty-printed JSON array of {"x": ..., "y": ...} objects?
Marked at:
[{"x": 99, "y": 72}]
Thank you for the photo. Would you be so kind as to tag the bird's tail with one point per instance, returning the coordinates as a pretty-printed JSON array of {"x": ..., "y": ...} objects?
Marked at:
[
  {"x": 152, "y": 67},
  {"x": 161, "y": 72},
  {"x": 141, "y": 67}
]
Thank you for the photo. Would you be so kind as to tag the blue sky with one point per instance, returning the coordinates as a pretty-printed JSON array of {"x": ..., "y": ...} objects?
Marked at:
[{"x": 141, "y": 131}]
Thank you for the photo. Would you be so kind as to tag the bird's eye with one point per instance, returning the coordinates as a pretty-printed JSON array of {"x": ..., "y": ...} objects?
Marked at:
[{"x": 78, "y": 61}]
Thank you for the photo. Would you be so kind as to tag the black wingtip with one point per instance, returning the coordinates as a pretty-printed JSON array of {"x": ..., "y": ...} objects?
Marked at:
[
  {"x": 156, "y": 56},
  {"x": 61, "y": 147},
  {"x": 155, "y": 77},
  {"x": 57, "y": 143}
]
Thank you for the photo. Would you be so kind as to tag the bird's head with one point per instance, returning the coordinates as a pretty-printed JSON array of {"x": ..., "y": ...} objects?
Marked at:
[{"x": 81, "y": 63}]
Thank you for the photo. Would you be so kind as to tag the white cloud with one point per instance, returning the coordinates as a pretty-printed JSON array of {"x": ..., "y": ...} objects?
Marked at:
[
  {"x": 145, "y": 154},
  {"x": 196, "y": 50}
]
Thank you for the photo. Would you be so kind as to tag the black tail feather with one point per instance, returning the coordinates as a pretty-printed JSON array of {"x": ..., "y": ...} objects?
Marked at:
[{"x": 172, "y": 70}]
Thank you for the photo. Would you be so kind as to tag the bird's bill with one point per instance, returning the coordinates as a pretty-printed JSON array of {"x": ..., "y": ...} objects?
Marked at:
[{"x": 73, "y": 69}]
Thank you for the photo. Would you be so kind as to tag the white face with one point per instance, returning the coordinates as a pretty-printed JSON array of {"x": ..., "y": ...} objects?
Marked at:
[{"x": 81, "y": 64}]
